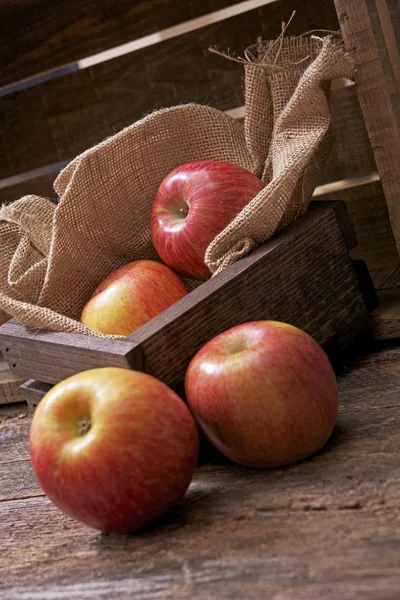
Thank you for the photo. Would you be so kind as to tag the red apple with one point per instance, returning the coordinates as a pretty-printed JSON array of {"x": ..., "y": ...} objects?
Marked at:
[
  {"x": 193, "y": 204},
  {"x": 131, "y": 296},
  {"x": 264, "y": 394},
  {"x": 113, "y": 448}
]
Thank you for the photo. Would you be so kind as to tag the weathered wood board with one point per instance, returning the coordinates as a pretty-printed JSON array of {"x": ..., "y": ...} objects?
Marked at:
[{"x": 326, "y": 528}]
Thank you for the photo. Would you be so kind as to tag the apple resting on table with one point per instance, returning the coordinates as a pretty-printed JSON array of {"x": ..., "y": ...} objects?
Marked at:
[
  {"x": 113, "y": 448},
  {"x": 193, "y": 204},
  {"x": 264, "y": 394},
  {"x": 131, "y": 296}
]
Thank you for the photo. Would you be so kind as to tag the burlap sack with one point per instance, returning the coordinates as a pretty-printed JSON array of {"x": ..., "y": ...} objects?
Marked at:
[{"x": 53, "y": 256}]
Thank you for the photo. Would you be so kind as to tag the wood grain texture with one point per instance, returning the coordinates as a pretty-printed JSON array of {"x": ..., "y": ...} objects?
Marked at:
[
  {"x": 377, "y": 90},
  {"x": 10, "y": 391},
  {"x": 325, "y": 528},
  {"x": 52, "y": 356},
  {"x": 39, "y": 36},
  {"x": 386, "y": 318},
  {"x": 33, "y": 391},
  {"x": 352, "y": 154},
  {"x": 386, "y": 278},
  {"x": 385, "y": 21},
  {"x": 82, "y": 108},
  {"x": 325, "y": 300},
  {"x": 14, "y": 434},
  {"x": 40, "y": 186},
  {"x": 18, "y": 480},
  {"x": 367, "y": 208}
]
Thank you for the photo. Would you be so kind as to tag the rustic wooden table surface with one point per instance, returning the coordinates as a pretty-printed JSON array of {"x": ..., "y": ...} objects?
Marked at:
[{"x": 326, "y": 528}]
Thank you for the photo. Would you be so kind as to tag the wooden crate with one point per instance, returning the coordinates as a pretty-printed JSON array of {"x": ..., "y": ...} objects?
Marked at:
[
  {"x": 97, "y": 76},
  {"x": 303, "y": 276}
]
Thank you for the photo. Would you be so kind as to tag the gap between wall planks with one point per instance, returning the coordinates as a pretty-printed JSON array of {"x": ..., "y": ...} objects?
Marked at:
[
  {"x": 81, "y": 108},
  {"x": 367, "y": 29},
  {"x": 45, "y": 39}
]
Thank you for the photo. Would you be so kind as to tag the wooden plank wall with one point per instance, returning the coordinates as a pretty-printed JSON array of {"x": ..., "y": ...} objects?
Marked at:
[
  {"x": 40, "y": 36},
  {"x": 371, "y": 33},
  {"x": 81, "y": 108},
  {"x": 54, "y": 105}
]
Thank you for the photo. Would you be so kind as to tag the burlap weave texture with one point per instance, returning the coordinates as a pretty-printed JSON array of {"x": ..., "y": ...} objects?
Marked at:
[{"x": 53, "y": 256}]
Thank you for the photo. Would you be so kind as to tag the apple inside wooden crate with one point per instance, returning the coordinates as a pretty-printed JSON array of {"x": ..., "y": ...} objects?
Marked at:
[
  {"x": 278, "y": 259},
  {"x": 304, "y": 276}
]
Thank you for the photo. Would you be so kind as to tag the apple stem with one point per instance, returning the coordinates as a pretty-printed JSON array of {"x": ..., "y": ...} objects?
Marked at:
[
  {"x": 84, "y": 425},
  {"x": 184, "y": 211}
]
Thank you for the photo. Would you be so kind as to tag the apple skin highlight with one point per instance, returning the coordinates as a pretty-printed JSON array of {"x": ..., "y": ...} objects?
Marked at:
[
  {"x": 193, "y": 204},
  {"x": 264, "y": 394},
  {"x": 113, "y": 448},
  {"x": 132, "y": 295}
]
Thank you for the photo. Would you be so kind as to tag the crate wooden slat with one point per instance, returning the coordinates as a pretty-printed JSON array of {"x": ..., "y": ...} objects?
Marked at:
[
  {"x": 371, "y": 29},
  {"x": 57, "y": 355},
  {"x": 303, "y": 276},
  {"x": 39, "y": 186}
]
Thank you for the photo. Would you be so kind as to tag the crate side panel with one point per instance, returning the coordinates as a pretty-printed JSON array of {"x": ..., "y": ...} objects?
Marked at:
[
  {"x": 51, "y": 356},
  {"x": 305, "y": 278}
]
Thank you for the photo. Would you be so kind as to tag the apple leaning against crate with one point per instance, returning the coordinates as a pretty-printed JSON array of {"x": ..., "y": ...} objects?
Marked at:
[{"x": 264, "y": 394}]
